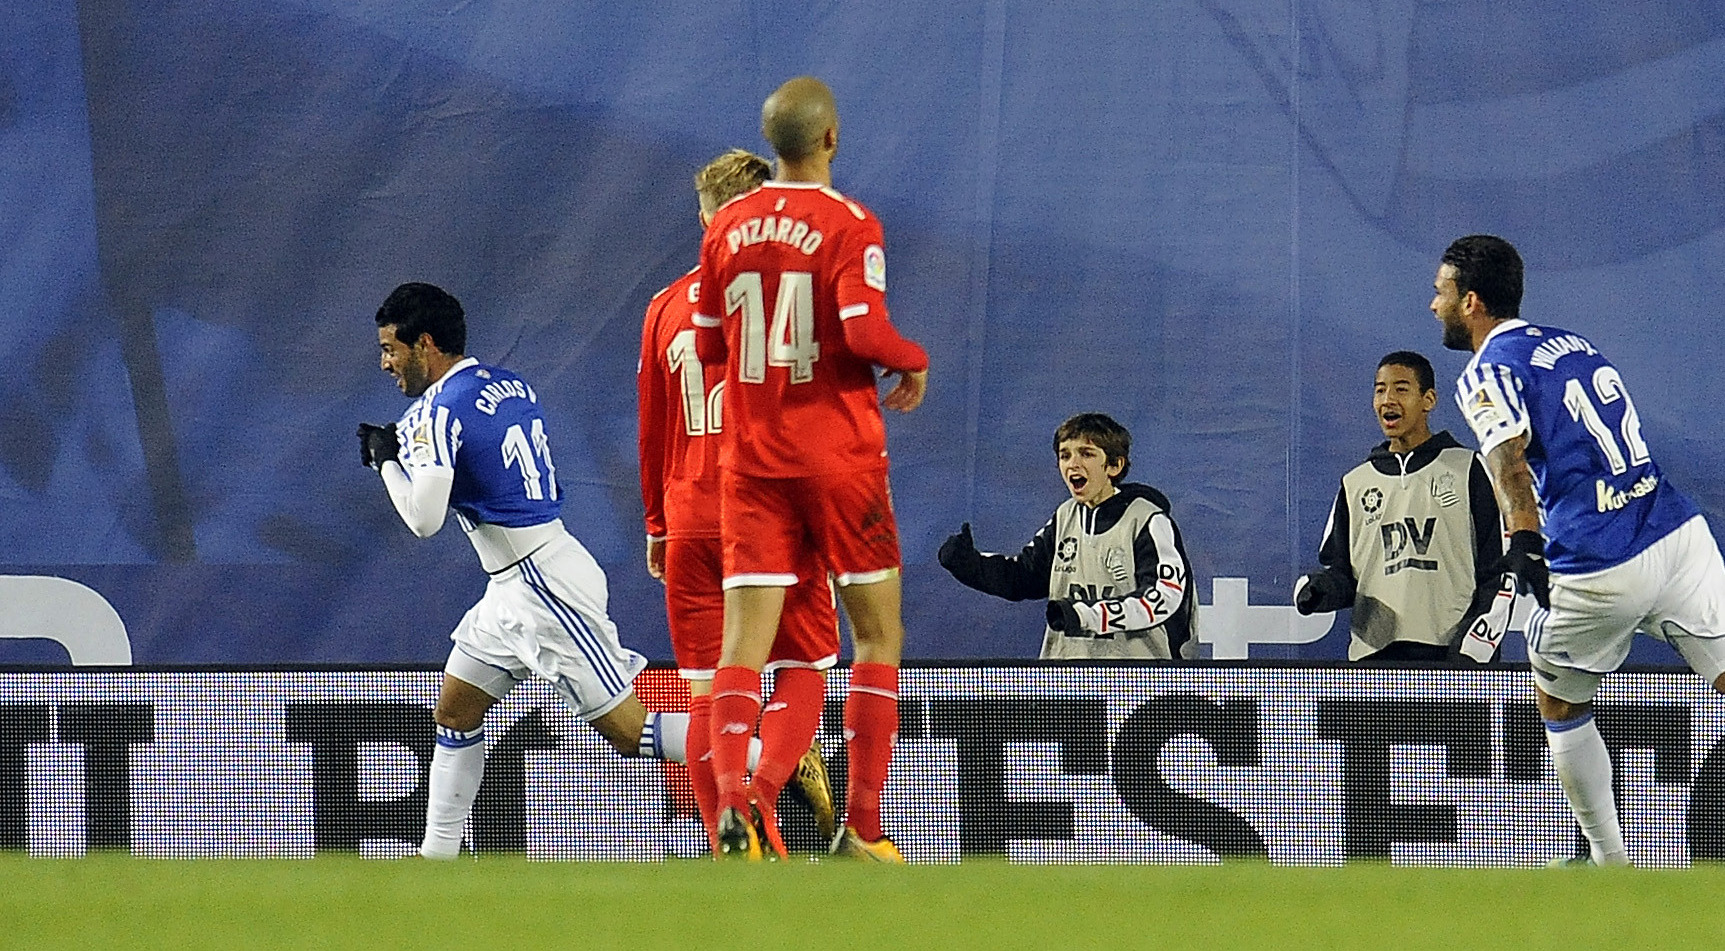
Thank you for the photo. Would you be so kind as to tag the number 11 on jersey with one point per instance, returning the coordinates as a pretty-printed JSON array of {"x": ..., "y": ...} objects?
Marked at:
[
  {"x": 791, "y": 340},
  {"x": 521, "y": 452}
]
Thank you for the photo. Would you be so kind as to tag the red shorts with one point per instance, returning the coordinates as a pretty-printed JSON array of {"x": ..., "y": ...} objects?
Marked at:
[
  {"x": 780, "y": 531},
  {"x": 695, "y": 606}
]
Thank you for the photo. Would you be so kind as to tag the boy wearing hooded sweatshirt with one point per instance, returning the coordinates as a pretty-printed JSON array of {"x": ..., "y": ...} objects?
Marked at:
[
  {"x": 1110, "y": 561},
  {"x": 1413, "y": 535}
]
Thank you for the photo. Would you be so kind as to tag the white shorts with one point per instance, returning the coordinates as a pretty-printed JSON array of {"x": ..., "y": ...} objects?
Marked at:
[
  {"x": 1675, "y": 590},
  {"x": 545, "y": 616}
]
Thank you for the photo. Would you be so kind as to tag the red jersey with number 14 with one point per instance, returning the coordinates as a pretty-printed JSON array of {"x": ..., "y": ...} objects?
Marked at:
[
  {"x": 793, "y": 298},
  {"x": 680, "y": 418}
]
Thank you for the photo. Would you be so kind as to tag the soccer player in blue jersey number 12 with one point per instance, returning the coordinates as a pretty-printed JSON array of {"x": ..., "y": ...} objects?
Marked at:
[
  {"x": 1578, "y": 485},
  {"x": 474, "y": 441}
]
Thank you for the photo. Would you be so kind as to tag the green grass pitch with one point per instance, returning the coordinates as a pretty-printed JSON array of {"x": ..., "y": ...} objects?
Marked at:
[{"x": 115, "y": 901}]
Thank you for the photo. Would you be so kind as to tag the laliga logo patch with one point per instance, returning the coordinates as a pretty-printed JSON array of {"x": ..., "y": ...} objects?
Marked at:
[
  {"x": 1068, "y": 549},
  {"x": 1372, "y": 500},
  {"x": 874, "y": 267},
  {"x": 1480, "y": 408},
  {"x": 419, "y": 446}
]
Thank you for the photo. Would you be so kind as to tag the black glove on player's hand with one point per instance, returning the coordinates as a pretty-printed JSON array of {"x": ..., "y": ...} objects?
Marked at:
[
  {"x": 1526, "y": 560},
  {"x": 959, "y": 556},
  {"x": 1063, "y": 617},
  {"x": 378, "y": 444},
  {"x": 1319, "y": 591}
]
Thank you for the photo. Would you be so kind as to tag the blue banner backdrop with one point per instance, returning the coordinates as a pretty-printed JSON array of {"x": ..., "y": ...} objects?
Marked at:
[{"x": 1208, "y": 218}]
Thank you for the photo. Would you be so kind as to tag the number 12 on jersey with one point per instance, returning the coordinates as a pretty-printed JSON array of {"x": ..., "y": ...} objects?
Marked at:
[
  {"x": 703, "y": 410},
  {"x": 1609, "y": 385},
  {"x": 790, "y": 342}
]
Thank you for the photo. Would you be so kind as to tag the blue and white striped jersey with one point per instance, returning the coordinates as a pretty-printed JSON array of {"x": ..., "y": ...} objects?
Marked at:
[
  {"x": 1602, "y": 496},
  {"x": 483, "y": 423}
]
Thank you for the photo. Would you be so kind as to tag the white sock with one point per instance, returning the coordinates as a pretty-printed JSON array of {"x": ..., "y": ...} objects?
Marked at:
[
  {"x": 666, "y": 736},
  {"x": 1584, "y": 767},
  {"x": 457, "y": 766}
]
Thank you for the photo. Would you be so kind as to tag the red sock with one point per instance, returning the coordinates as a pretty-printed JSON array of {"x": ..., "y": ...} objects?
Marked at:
[
  {"x": 774, "y": 840},
  {"x": 788, "y": 726},
  {"x": 871, "y": 729},
  {"x": 736, "y": 706},
  {"x": 700, "y": 746}
]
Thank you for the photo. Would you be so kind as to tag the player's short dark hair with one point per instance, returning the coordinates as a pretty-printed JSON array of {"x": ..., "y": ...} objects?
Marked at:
[
  {"x": 1491, "y": 268},
  {"x": 416, "y": 308},
  {"x": 1106, "y": 434},
  {"x": 1414, "y": 361}
]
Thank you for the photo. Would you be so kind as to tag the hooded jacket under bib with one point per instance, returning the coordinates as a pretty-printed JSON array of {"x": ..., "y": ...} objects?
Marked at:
[
  {"x": 1411, "y": 536},
  {"x": 1122, "y": 565}
]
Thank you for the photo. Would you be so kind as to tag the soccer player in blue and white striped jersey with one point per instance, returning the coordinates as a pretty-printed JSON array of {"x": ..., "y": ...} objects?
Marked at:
[
  {"x": 1577, "y": 484},
  {"x": 474, "y": 442}
]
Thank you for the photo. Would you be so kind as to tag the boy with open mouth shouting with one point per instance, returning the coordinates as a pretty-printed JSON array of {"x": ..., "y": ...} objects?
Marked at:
[{"x": 1110, "y": 561}]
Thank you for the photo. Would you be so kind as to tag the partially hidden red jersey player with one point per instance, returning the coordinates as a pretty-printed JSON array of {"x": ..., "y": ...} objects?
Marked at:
[
  {"x": 681, "y": 417},
  {"x": 793, "y": 301}
]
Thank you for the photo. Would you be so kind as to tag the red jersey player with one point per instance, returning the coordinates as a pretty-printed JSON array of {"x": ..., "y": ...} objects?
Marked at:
[
  {"x": 794, "y": 302},
  {"x": 680, "y": 422}
]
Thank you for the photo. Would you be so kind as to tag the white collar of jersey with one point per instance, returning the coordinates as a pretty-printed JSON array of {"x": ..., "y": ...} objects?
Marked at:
[
  {"x": 1514, "y": 323},
  {"x": 460, "y": 365},
  {"x": 805, "y": 185}
]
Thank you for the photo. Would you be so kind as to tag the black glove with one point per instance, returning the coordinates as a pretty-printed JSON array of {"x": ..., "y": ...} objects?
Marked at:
[
  {"x": 378, "y": 444},
  {"x": 1526, "y": 560},
  {"x": 1320, "y": 591},
  {"x": 1063, "y": 617},
  {"x": 959, "y": 556}
]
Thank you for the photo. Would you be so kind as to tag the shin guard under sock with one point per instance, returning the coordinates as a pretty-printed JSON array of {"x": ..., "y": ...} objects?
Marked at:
[
  {"x": 788, "y": 726},
  {"x": 457, "y": 767},
  {"x": 871, "y": 729},
  {"x": 1584, "y": 768},
  {"x": 736, "y": 707},
  {"x": 700, "y": 749}
]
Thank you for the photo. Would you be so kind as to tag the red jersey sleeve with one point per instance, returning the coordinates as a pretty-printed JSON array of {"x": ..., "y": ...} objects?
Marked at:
[
  {"x": 875, "y": 339},
  {"x": 650, "y": 399},
  {"x": 860, "y": 281},
  {"x": 710, "y": 346}
]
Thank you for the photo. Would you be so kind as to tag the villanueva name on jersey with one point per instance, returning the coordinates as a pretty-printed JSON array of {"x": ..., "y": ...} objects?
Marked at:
[
  {"x": 1611, "y": 499},
  {"x": 497, "y": 391},
  {"x": 1546, "y": 355},
  {"x": 789, "y": 231}
]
